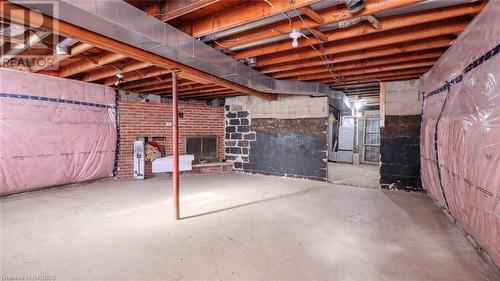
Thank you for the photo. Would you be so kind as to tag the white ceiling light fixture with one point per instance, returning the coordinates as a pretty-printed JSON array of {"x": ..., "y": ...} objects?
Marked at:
[{"x": 295, "y": 35}]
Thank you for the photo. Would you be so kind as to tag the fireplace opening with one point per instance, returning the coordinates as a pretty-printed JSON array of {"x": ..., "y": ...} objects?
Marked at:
[{"x": 204, "y": 148}]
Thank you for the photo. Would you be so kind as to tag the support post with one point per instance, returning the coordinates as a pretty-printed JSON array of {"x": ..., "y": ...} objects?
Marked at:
[{"x": 175, "y": 144}]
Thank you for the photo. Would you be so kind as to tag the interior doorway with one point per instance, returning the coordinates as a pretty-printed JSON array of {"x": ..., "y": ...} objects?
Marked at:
[{"x": 354, "y": 150}]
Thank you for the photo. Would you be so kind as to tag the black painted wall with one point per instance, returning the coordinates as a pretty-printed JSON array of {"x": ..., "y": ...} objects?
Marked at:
[
  {"x": 400, "y": 153},
  {"x": 289, "y": 147}
]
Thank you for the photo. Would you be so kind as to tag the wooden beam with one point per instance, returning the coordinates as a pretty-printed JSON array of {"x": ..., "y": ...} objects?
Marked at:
[
  {"x": 86, "y": 64},
  {"x": 11, "y": 39},
  {"x": 376, "y": 91},
  {"x": 375, "y": 76},
  {"x": 361, "y": 29},
  {"x": 153, "y": 82},
  {"x": 135, "y": 75},
  {"x": 109, "y": 71},
  {"x": 145, "y": 82},
  {"x": 361, "y": 64},
  {"x": 318, "y": 34},
  {"x": 376, "y": 80},
  {"x": 55, "y": 59},
  {"x": 312, "y": 14},
  {"x": 165, "y": 87},
  {"x": 17, "y": 14},
  {"x": 210, "y": 89},
  {"x": 177, "y": 8},
  {"x": 374, "y": 22},
  {"x": 244, "y": 13},
  {"x": 33, "y": 38},
  {"x": 376, "y": 69},
  {"x": 387, "y": 38},
  {"x": 331, "y": 15},
  {"x": 403, "y": 48},
  {"x": 212, "y": 95}
]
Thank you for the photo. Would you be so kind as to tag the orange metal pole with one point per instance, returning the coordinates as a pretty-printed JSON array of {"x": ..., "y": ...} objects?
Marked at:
[{"x": 175, "y": 144}]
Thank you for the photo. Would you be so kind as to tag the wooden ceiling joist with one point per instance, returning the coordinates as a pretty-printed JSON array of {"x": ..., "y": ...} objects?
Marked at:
[
  {"x": 365, "y": 28},
  {"x": 366, "y": 70},
  {"x": 375, "y": 76},
  {"x": 16, "y": 14},
  {"x": 56, "y": 59},
  {"x": 175, "y": 9},
  {"x": 244, "y": 13},
  {"x": 387, "y": 38},
  {"x": 160, "y": 79},
  {"x": 109, "y": 71},
  {"x": 378, "y": 79},
  {"x": 138, "y": 75},
  {"x": 331, "y": 15},
  {"x": 407, "y": 47},
  {"x": 434, "y": 54},
  {"x": 312, "y": 14},
  {"x": 87, "y": 64},
  {"x": 168, "y": 86}
]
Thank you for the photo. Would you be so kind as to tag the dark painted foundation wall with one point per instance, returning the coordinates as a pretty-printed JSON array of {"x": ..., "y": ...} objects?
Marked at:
[
  {"x": 294, "y": 147},
  {"x": 400, "y": 153},
  {"x": 289, "y": 147}
]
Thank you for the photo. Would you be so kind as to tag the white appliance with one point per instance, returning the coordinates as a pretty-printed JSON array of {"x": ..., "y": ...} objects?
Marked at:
[
  {"x": 346, "y": 139},
  {"x": 165, "y": 164},
  {"x": 139, "y": 160}
]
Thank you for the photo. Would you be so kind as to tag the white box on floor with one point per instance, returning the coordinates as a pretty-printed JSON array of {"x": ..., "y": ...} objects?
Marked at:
[{"x": 165, "y": 164}]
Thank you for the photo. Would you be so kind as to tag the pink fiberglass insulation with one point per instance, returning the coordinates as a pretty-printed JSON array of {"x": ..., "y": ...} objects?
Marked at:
[
  {"x": 53, "y": 131},
  {"x": 462, "y": 98}
]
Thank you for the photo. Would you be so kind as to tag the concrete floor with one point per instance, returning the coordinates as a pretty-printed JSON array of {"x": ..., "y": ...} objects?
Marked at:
[
  {"x": 364, "y": 175},
  {"x": 238, "y": 227}
]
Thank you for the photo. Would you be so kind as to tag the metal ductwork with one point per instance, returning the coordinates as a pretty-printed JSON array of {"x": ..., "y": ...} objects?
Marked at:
[
  {"x": 123, "y": 22},
  {"x": 354, "y": 6},
  {"x": 63, "y": 47}
]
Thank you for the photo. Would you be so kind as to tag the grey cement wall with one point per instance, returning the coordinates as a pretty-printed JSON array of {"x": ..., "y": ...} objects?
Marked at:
[
  {"x": 400, "y": 136},
  {"x": 287, "y": 137}
]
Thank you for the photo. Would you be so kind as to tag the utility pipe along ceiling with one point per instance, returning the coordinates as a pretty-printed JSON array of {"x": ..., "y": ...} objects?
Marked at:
[{"x": 123, "y": 22}]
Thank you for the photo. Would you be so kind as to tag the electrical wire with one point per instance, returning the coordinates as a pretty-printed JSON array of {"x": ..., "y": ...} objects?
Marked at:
[
  {"x": 323, "y": 57},
  {"x": 284, "y": 14}
]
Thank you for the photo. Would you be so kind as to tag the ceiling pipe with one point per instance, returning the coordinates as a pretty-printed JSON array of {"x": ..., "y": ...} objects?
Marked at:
[
  {"x": 354, "y": 6},
  {"x": 267, "y": 21}
]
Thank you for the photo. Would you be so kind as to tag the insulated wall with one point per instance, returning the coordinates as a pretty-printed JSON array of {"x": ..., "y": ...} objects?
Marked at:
[
  {"x": 53, "y": 131},
  {"x": 460, "y": 139}
]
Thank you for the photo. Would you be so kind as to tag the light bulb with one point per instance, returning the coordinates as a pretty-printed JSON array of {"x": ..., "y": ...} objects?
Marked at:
[{"x": 295, "y": 35}]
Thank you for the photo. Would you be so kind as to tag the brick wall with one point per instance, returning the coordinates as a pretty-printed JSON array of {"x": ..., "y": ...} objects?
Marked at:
[{"x": 150, "y": 120}]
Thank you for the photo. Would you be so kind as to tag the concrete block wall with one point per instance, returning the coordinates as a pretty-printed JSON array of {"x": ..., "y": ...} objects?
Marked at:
[
  {"x": 400, "y": 137},
  {"x": 287, "y": 137},
  {"x": 154, "y": 120}
]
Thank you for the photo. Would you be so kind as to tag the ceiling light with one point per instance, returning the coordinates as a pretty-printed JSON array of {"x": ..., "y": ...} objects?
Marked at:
[
  {"x": 252, "y": 61},
  {"x": 295, "y": 35},
  {"x": 358, "y": 105},
  {"x": 355, "y": 6},
  {"x": 120, "y": 75}
]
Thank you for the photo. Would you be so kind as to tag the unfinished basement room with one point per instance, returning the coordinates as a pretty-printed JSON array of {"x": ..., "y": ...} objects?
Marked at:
[{"x": 274, "y": 140}]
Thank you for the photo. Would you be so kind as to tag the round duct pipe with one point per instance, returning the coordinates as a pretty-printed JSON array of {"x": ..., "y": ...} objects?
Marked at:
[{"x": 355, "y": 6}]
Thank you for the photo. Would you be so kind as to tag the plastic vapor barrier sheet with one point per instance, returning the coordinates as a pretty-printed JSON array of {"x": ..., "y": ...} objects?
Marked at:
[
  {"x": 460, "y": 137},
  {"x": 53, "y": 131}
]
